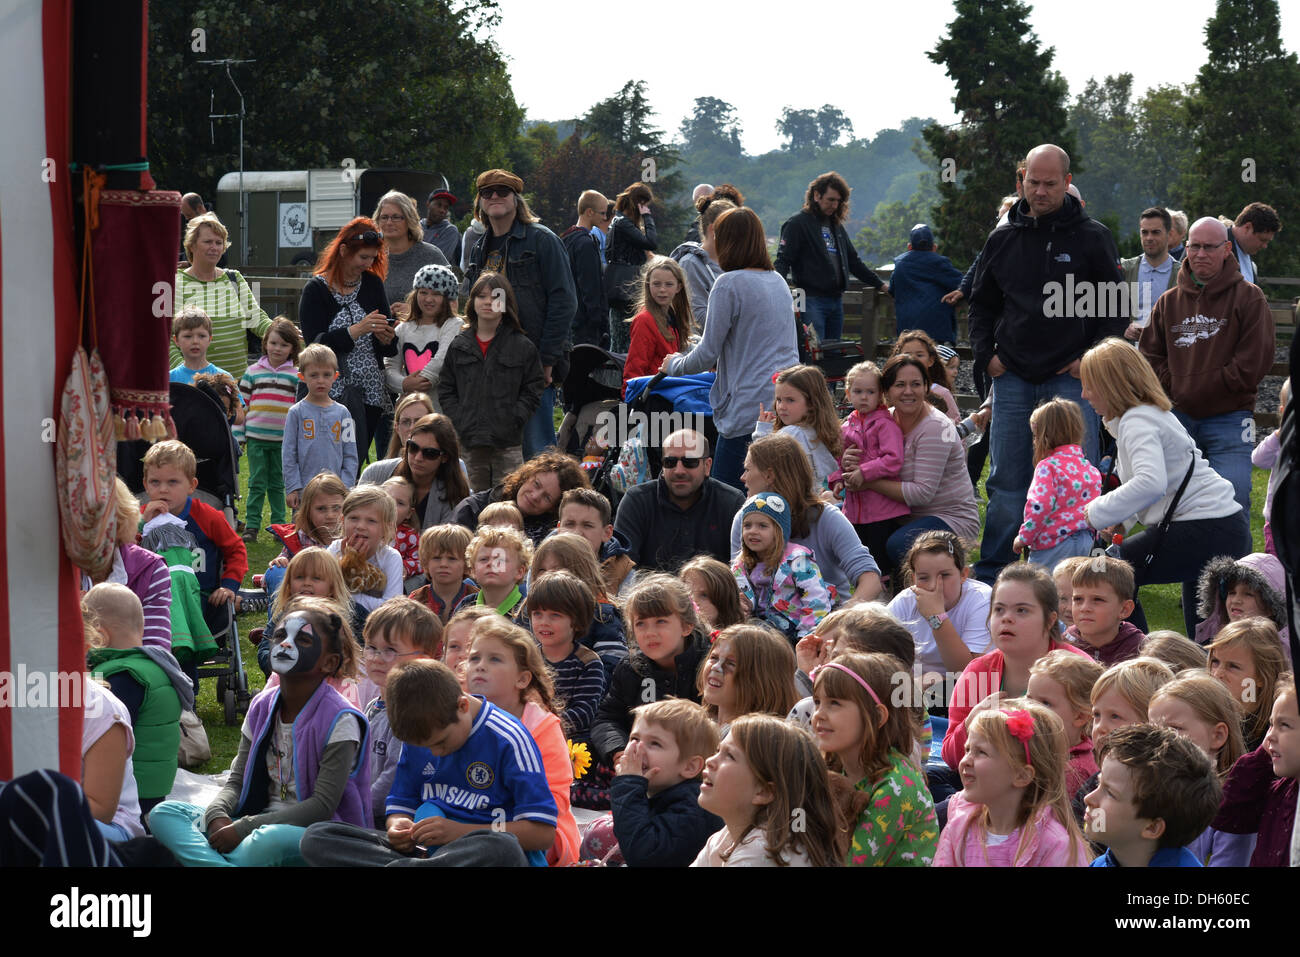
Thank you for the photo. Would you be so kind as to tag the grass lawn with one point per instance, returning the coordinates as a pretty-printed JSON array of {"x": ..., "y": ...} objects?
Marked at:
[{"x": 1160, "y": 601}]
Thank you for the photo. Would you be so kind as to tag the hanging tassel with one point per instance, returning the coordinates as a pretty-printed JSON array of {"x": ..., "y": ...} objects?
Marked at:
[
  {"x": 171, "y": 426},
  {"x": 157, "y": 427},
  {"x": 132, "y": 427},
  {"x": 119, "y": 426},
  {"x": 146, "y": 426}
]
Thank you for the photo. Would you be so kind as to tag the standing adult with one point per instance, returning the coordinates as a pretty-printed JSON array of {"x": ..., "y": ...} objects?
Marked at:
[
  {"x": 1029, "y": 339},
  {"x": 933, "y": 482},
  {"x": 700, "y": 260},
  {"x": 344, "y": 307},
  {"x": 632, "y": 239},
  {"x": 191, "y": 205},
  {"x": 439, "y": 230},
  {"x": 591, "y": 320},
  {"x": 1152, "y": 273},
  {"x": 1177, "y": 234},
  {"x": 1250, "y": 234},
  {"x": 816, "y": 252},
  {"x": 1154, "y": 458},
  {"x": 430, "y": 461},
  {"x": 222, "y": 293},
  {"x": 749, "y": 336},
  {"x": 920, "y": 280},
  {"x": 694, "y": 232},
  {"x": 533, "y": 259},
  {"x": 778, "y": 463},
  {"x": 1210, "y": 342}
]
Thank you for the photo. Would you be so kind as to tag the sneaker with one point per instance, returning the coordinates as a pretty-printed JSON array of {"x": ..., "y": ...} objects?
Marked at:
[
  {"x": 250, "y": 536},
  {"x": 253, "y": 601}
]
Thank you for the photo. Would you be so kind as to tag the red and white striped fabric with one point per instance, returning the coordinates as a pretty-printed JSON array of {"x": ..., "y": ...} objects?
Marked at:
[{"x": 40, "y": 621}]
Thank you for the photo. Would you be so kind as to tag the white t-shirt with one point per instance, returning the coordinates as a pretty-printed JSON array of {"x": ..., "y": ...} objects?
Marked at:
[
  {"x": 751, "y": 852},
  {"x": 282, "y": 789},
  {"x": 970, "y": 616},
  {"x": 103, "y": 709}
]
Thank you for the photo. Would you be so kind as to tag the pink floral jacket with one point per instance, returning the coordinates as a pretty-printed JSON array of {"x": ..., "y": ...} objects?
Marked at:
[{"x": 1064, "y": 483}]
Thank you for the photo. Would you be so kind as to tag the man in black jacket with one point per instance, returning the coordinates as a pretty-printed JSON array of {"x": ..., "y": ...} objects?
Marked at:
[
  {"x": 682, "y": 513},
  {"x": 591, "y": 320},
  {"x": 1048, "y": 287},
  {"x": 816, "y": 251}
]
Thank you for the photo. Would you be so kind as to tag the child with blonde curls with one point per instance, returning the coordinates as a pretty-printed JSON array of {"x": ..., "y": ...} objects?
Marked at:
[
  {"x": 1247, "y": 657},
  {"x": 749, "y": 669},
  {"x": 868, "y": 739},
  {"x": 1200, "y": 709},
  {"x": 505, "y": 666},
  {"x": 801, "y": 402},
  {"x": 764, "y": 772},
  {"x": 1013, "y": 810}
]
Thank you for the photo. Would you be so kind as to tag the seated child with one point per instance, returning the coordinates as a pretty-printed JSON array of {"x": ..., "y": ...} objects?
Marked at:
[
  {"x": 1157, "y": 791},
  {"x": 396, "y": 631},
  {"x": 107, "y": 775},
  {"x": 779, "y": 579},
  {"x": 1266, "y": 456},
  {"x": 1173, "y": 649},
  {"x": 1120, "y": 698},
  {"x": 501, "y": 515},
  {"x": 318, "y": 432},
  {"x": 312, "y": 573},
  {"x": 317, "y": 521},
  {"x": 1062, "y": 575},
  {"x": 1250, "y": 587},
  {"x": 1200, "y": 709},
  {"x": 456, "y": 635},
  {"x": 565, "y": 551},
  {"x": 801, "y": 403},
  {"x": 222, "y": 560},
  {"x": 1012, "y": 810},
  {"x": 405, "y": 538},
  {"x": 1260, "y": 793},
  {"x": 1062, "y": 682},
  {"x": 765, "y": 770},
  {"x": 301, "y": 757},
  {"x": 715, "y": 592},
  {"x": 467, "y": 771},
  {"x": 372, "y": 568},
  {"x": 1247, "y": 657},
  {"x": 559, "y": 607},
  {"x": 499, "y": 558},
  {"x": 442, "y": 555},
  {"x": 657, "y": 820},
  {"x": 749, "y": 668},
  {"x": 148, "y": 681},
  {"x": 586, "y": 512},
  {"x": 1101, "y": 597}
]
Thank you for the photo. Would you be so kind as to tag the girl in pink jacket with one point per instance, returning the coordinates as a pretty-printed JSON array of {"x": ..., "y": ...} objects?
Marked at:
[
  {"x": 1012, "y": 810},
  {"x": 872, "y": 429},
  {"x": 1065, "y": 483}
]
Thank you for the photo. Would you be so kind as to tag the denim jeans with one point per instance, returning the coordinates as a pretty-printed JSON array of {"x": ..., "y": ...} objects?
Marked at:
[
  {"x": 1011, "y": 450},
  {"x": 539, "y": 432},
  {"x": 1226, "y": 441},
  {"x": 826, "y": 315},
  {"x": 902, "y": 539},
  {"x": 729, "y": 460},
  {"x": 1077, "y": 545}
]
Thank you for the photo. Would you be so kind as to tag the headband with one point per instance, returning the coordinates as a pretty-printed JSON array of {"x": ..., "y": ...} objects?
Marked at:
[
  {"x": 1021, "y": 725},
  {"x": 852, "y": 674}
]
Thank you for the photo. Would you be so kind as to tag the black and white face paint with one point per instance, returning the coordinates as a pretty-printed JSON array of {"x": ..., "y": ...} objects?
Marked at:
[{"x": 298, "y": 648}]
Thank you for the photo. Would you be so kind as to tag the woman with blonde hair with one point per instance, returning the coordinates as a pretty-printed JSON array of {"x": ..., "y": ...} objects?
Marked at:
[{"x": 1188, "y": 511}]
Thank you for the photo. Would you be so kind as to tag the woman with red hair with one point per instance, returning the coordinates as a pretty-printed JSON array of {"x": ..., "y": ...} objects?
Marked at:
[{"x": 344, "y": 307}]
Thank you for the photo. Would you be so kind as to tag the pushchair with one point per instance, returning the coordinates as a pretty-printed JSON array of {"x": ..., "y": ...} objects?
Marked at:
[
  {"x": 201, "y": 424},
  {"x": 835, "y": 357}
]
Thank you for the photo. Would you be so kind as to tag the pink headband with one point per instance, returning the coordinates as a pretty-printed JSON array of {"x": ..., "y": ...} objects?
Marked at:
[
  {"x": 851, "y": 673},
  {"x": 1021, "y": 725}
]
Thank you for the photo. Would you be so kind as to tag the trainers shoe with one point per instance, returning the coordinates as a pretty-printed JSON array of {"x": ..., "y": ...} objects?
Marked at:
[
  {"x": 253, "y": 601},
  {"x": 250, "y": 536}
]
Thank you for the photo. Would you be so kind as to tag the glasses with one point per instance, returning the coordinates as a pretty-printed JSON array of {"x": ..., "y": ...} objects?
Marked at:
[
  {"x": 429, "y": 452},
  {"x": 386, "y": 655},
  {"x": 493, "y": 192},
  {"x": 1194, "y": 248},
  {"x": 392, "y": 218},
  {"x": 670, "y": 461},
  {"x": 368, "y": 238}
]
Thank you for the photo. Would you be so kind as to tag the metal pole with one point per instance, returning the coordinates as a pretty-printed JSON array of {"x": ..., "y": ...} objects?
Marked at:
[{"x": 227, "y": 63}]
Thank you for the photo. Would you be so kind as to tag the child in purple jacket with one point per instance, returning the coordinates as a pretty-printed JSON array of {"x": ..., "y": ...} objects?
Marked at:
[{"x": 872, "y": 429}]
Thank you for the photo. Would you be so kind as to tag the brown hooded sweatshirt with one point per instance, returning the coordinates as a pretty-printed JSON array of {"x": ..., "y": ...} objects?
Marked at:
[{"x": 1210, "y": 345}]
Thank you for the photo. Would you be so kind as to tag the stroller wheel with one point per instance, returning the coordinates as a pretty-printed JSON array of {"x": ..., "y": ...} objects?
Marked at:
[
  {"x": 221, "y": 687},
  {"x": 232, "y": 715}
]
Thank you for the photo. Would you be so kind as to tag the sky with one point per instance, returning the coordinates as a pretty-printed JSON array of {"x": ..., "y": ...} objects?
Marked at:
[{"x": 873, "y": 67}]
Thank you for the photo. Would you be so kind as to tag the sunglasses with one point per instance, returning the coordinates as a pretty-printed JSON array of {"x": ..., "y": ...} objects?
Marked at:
[
  {"x": 670, "y": 461},
  {"x": 414, "y": 448},
  {"x": 492, "y": 192},
  {"x": 368, "y": 238}
]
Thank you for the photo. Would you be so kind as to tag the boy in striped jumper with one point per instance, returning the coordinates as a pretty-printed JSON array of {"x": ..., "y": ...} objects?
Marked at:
[{"x": 269, "y": 389}]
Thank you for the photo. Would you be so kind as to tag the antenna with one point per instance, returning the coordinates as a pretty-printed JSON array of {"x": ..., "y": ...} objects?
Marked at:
[{"x": 212, "y": 117}]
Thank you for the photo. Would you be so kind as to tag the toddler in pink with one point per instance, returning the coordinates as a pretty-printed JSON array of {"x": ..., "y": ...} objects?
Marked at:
[{"x": 1055, "y": 526}]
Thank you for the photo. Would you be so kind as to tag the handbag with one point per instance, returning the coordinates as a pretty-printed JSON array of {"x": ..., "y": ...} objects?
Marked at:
[
  {"x": 1155, "y": 536},
  {"x": 195, "y": 749}
]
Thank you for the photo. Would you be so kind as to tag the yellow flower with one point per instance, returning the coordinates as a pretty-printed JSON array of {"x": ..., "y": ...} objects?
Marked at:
[{"x": 581, "y": 759}]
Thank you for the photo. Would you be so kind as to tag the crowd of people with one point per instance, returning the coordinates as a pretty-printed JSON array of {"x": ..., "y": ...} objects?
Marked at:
[{"x": 474, "y": 656}]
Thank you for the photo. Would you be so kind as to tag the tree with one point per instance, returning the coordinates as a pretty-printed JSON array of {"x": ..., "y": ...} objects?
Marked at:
[
  {"x": 564, "y": 170},
  {"x": 1247, "y": 132},
  {"x": 712, "y": 126},
  {"x": 1008, "y": 100},
  {"x": 1166, "y": 144},
  {"x": 329, "y": 85},
  {"x": 1106, "y": 129},
  {"x": 887, "y": 232},
  {"x": 813, "y": 129}
]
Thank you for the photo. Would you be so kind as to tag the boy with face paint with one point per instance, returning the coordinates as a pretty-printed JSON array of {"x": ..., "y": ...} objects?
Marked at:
[
  {"x": 302, "y": 756},
  {"x": 499, "y": 558}
]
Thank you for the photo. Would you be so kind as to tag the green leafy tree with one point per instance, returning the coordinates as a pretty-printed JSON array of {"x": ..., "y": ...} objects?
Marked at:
[
  {"x": 1106, "y": 128},
  {"x": 887, "y": 232},
  {"x": 1166, "y": 144},
  {"x": 1009, "y": 100},
  {"x": 1244, "y": 115},
  {"x": 712, "y": 126},
  {"x": 329, "y": 84},
  {"x": 813, "y": 129},
  {"x": 564, "y": 170}
]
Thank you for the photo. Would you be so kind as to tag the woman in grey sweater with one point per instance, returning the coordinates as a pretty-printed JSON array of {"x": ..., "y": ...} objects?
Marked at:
[{"x": 749, "y": 334}]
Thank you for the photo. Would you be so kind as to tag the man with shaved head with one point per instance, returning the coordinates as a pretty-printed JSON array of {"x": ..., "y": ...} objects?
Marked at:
[
  {"x": 697, "y": 194},
  {"x": 1210, "y": 341},
  {"x": 591, "y": 320},
  {"x": 1044, "y": 293}
]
